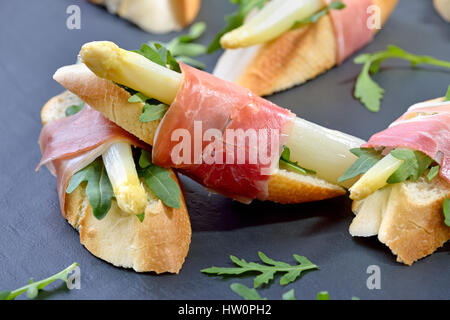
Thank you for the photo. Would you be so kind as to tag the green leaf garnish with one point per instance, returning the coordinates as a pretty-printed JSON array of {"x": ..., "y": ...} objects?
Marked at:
[
  {"x": 141, "y": 216},
  {"x": 336, "y": 5},
  {"x": 414, "y": 165},
  {"x": 33, "y": 288},
  {"x": 433, "y": 172},
  {"x": 160, "y": 182},
  {"x": 159, "y": 54},
  {"x": 323, "y": 295},
  {"x": 152, "y": 109},
  {"x": 266, "y": 270},
  {"x": 74, "y": 109},
  {"x": 98, "y": 190},
  {"x": 235, "y": 20},
  {"x": 447, "y": 96},
  {"x": 285, "y": 160},
  {"x": 246, "y": 292},
  {"x": 446, "y": 209},
  {"x": 138, "y": 97},
  {"x": 367, "y": 159},
  {"x": 183, "y": 46},
  {"x": 290, "y": 295},
  {"x": 367, "y": 90},
  {"x": 151, "y": 112}
]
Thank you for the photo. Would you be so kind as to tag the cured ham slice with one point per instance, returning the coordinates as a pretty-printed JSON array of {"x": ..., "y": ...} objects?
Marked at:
[
  {"x": 351, "y": 27},
  {"x": 70, "y": 144},
  {"x": 424, "y": 127},
  {"x": 222, "y": 135}
]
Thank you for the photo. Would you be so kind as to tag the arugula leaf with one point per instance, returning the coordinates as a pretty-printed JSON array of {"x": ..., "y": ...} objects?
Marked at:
[
  {"x": 141, "y": 216},
  {"x": 447, "y": 96},
  {"x": 446, "y": 209},
  {"x": 98, "y": 190},
  {"x": 74, "y": 109},
  {"x": 183, "y": 46},
  {"x": 433, "y": 172},
  {"x": 33, "y": 288},
  {"x": 160, "y": 182},
  {"x": 152, "y": 109},
  {"x": 159, "y": 54},
  {"x": 336, "y": 5},
  {"x": 414, "y": 165},
  {"x": 323, "y": 295},
  {"x": 367, "y": 159},
  {"x": 235, "y": 20},
  {"x": 267, "y": 271},
  {"x": 245, "y": 292},
  {"x": 367, "y": 90},
  {"x": 285, "y": 159},
  {"x": 290, "y": 295},
  {"x": 151, "y": 112},
  {"x": 138, "y": 97}
]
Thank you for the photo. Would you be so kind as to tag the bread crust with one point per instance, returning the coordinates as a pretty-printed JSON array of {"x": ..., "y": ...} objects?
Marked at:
[
  {"x": 414, "y": 229},
  {"x": 175, "y": 15},
  {"x": 297, "y": 56},
  {"x": 160, "y": 243},
  {"x": 112, "y": 101}
]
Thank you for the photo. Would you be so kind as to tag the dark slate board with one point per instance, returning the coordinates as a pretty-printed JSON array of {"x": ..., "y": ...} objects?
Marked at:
[{"x": 36, "y": 241}]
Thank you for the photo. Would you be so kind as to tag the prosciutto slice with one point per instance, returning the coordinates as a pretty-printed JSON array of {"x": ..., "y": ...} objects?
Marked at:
[
  {"x": 222, "y": 135},
  {"x": 70, "y": 144},
  {"x": 424, "y": 127},
  {"x": 350, "y": 27}
]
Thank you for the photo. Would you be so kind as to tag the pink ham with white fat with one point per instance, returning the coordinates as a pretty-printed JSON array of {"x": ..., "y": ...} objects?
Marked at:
[
  {"x": 424, "y": 127},
  {"x": 70, "y": 144},
  {"x": 206, "y": 104},
  {"x": 351, "y": 27}
]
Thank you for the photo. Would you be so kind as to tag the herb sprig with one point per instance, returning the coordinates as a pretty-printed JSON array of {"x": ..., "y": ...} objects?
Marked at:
[
  {"x": 367, "y": 90},
  {"x": 74, "y": 109},
  {"x": 336, "y": 5},
  {"x": 267, "y": 270},
  {"x": 285, "y": 159},
  {"x": 235, "y": 20},
  {"x": 415, "y": 164},
  {"x": 184, "y": 49},
  {"x": 159, "y": 181},
  {"x": 99, "y": 190},
  {"x": 32, "y": 288}
]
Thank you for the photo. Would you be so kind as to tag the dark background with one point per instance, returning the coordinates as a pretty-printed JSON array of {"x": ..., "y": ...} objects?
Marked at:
[{"x": 36, "y": 241}]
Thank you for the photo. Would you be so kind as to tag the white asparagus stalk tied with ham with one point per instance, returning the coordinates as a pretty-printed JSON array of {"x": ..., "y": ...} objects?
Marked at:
[
  {"x": 314, "y": 147},
  {"x": 288, "y": 42}
]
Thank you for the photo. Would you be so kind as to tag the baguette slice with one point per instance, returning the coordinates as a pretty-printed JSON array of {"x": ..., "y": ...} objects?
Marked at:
[
  {"x": 292, "y": 59},
  {"x": 112, "y": 101},
  {"x": 160, "y": 243},
  {"x": 407, "y": 217},
  {"x": 443, "y": 8},
  {"x": 157, "y": 16}
]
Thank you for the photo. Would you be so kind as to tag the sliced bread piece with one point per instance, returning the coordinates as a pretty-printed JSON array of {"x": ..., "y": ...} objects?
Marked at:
[
  {"x": 408, "y": 218},
  {"x": 159, "y": 243}
]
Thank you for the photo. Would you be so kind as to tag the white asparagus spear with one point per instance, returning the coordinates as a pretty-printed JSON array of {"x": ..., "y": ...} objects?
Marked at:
[
  {"x": 277, "y": 17},
  {"x": 128, "y": 190},
  {"x": 376, "y": 178},
  {"x": 312, "y": 146}
]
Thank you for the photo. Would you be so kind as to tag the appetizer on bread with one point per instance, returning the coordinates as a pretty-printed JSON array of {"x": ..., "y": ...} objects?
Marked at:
[
  {"x": 443, "y": 8},
  {"x": 157, "y": 16},
  {"x": 119, "y": 214},
  {"x": 402, "y": 195},
  {"x": 289, "y": 42},
  {"x": 155, "y": 100}
]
